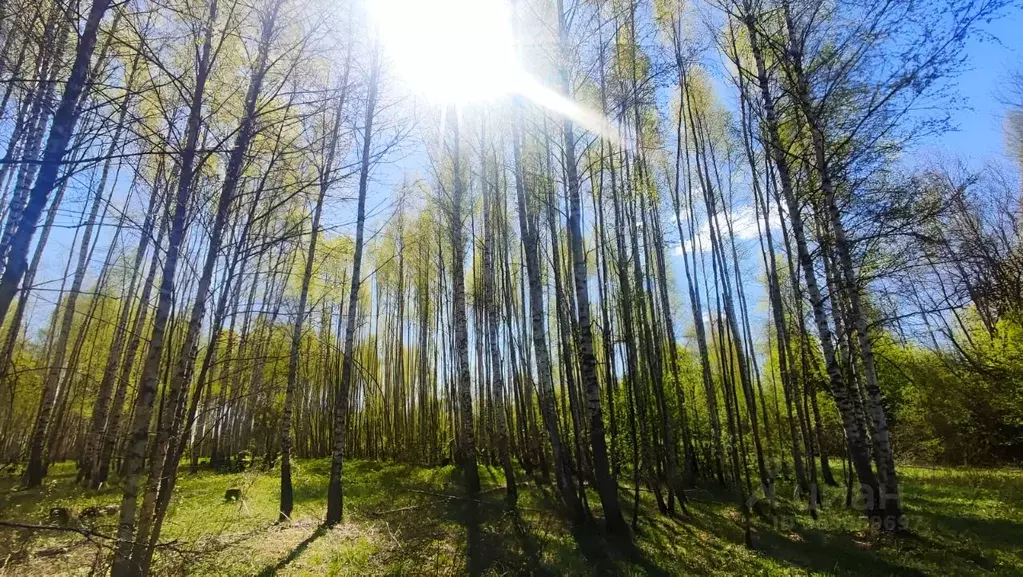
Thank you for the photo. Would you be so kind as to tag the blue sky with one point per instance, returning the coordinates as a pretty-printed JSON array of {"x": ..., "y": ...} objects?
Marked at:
[{"x": 978, "y": 137}]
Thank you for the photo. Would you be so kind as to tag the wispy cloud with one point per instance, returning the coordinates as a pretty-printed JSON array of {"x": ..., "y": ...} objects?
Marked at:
[{"x": 744, "y": 227}]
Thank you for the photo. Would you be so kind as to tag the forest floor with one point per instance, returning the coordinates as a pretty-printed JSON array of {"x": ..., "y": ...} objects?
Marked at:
[{"x": 408, "y": 520}]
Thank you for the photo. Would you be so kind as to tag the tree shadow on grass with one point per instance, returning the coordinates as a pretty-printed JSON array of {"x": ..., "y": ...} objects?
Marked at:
[
  {"x": 271, "y": 570},
  {"x": 472, "y": 512},
  {"x": 530, "y": 546},
  {"x": 944, "y": 539},
  {"x": 591, "y": 543},
  {"x": 819, "y": 551},
  {"x": 417, "y": 513},
  {"x": 992, "y": 531},
  {"x": 608, "y": 554},
  {"x": 477, "y": 560},
  {"x": 447, "y": 529},
  {"x": 367, "y": 484},
  {"x": 810, "y": 549}
]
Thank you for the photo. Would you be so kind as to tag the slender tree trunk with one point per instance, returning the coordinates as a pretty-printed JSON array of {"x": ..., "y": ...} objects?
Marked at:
[
  {"x": 606, "y": 486},
  {"x": 466, "y": 428},
  {"x": 855, "y": 436},
  {"x": 162, "y": 469},
  {"x": 63, "y": 126},
  {"x": 493, "y": 336},
  {"x": 335, "y": 489},
  {"x": 125, "y": 564},
  {"x": 52, "y": 381},
  {"x": 548, "y": 410}
]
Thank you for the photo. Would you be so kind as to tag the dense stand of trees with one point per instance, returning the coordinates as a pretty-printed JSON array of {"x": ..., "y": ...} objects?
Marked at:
[{"x": 199, "y": 266}]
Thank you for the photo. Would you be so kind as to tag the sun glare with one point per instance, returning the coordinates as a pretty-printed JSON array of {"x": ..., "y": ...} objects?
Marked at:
[
  {"x": 460, "y": 51},
  {"x": 450, "y": 50}
]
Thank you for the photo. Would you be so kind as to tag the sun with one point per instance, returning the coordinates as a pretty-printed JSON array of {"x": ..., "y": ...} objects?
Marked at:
[
  {"x": 463, "y": 51},
  {"x": 450, "y": 50}
]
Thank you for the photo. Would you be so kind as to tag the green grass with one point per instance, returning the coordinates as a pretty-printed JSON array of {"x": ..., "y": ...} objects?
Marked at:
[{"x": 398, "y": 522}]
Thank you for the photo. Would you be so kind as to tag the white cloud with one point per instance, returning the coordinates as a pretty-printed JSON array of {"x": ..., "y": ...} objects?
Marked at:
[{"x": 744, "y": 226}]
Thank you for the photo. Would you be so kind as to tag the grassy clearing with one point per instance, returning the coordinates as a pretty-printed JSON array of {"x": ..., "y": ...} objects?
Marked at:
[{"x": 399, "y": 522}]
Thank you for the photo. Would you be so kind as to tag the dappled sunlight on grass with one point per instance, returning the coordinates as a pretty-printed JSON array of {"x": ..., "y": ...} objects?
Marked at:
[{"x": 404, "y": 519}]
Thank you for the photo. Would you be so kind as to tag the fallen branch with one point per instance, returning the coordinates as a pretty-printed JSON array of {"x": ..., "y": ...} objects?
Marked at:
[
  {"x": 84, "y": 532},
  {"x": 409, "y": 508},
  {"x": 444, "y": 497},
  {"x": 459, "y": 497},
  {"x": 389, "y": 532},
  {"x": 88, "y": 533}
]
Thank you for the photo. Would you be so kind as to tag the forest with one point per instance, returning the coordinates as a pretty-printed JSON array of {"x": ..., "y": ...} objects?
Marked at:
[{"x": 510, "y": 287}]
